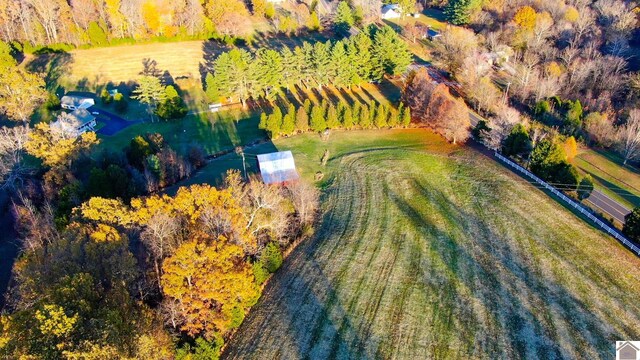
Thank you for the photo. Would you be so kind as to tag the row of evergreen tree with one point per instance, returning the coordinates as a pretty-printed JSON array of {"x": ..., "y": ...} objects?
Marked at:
[
  {"x": 363, "y": 57},
  {"x": 322, "y": 116}
]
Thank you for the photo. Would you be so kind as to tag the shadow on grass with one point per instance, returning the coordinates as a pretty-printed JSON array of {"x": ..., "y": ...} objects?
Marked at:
[{"x": 622, "y": 192}]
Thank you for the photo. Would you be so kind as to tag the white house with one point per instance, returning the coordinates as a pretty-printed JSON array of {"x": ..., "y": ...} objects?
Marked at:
[
  {"x": 75, "y": 102},
  {"x": 278, "y": 167},
  {"x": 75, "y": 123},
  {"x": 391, "y": 11}
]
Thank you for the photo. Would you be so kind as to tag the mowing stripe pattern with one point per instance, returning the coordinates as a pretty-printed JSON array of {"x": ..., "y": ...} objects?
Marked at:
[{"x": 426, "y": 256}]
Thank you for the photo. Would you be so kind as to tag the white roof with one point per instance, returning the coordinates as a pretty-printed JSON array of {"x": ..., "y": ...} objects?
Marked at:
[{"x": 277, "y": 167}]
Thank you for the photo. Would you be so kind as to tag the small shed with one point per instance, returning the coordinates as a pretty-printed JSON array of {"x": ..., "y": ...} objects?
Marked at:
[
  {"x": 278, "y": 167},
  {"x": 75, "y": 102}
]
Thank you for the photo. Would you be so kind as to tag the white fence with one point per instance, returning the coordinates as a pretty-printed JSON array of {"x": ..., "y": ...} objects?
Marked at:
[{"x": 574, "y": 204}]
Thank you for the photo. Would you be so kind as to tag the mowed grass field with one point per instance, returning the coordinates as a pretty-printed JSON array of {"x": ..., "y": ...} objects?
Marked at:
[
  {"x": 427, "y": 250},
  {"x": 124, "y": 63}
]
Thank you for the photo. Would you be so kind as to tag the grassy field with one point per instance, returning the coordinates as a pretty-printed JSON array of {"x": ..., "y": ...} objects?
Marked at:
[
  {"x": 214, "y": 132},
  {"x": 621, "y": 183},
  {"x": 427, "y": 250},
  {"x": 124, "y": 63}
]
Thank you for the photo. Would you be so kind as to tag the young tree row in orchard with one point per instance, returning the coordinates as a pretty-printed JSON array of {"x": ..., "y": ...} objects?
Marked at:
[
  {"x": 364, "y": 57},
  {"x": 320, "y": 117}
]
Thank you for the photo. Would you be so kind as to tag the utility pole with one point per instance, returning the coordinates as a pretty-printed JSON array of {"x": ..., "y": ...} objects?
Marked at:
[{"x": 240, "y": 152}]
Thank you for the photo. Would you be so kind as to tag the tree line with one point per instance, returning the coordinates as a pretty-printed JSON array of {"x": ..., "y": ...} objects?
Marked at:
[
  {"x": 157, "y": 277},
  {"x": 64, "y": 24},
  {"x": 323, "y": 116},
  {"x": 364, "y": 57}
]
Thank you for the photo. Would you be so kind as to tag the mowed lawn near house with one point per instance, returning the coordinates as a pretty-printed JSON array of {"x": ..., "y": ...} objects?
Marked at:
[
  {"x": 214, "y": 132},
  {"x": 621, "y": 183},
  {"x": 428, "y": 250}
]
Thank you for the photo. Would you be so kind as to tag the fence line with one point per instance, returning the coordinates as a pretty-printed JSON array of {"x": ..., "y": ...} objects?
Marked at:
[{"x": 576, "y": 205}]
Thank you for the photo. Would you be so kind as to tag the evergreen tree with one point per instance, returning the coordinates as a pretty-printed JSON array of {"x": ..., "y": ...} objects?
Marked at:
[
  {"x": 323, "y": 69},
  {"x": 632, "y": 225},
  {"x": 380, "y": 119},
  {"x": 365, "y": 117},
  {"x": 406, "y": 116},
  {"x": 267, "y": 70},
  {"x": 392, "y": 118},
  {"x": 289, "y": 121},
  {"x": 263, "y": 121},
  {"x": 390, "y": 53},
  {"x": 302, "y": 120},
  {"x": 274, "y": 123},
  {"x": 347, "y": 118},
  {"x": 458, "y": 12},
  {"x": 332, "y": 118},
  {"x": 518, "y": 142},
  {"x": 356, "y": 113},
  {"x": 318, "y": 122},
  {"x": 343, "y": 69},
  {"x": 234, "y": 74},
  {"x": 307, "y": 55},
  {"x": 361, "y": 57},
  {"x": 173, "y": 106},
  {"x": 306, "y": 105},
  {"x": 342, "y": 106},
  {"x": 292, "y": 67},
  {"x": 211, "y": 88},
  {"x": 344, "y": 19}
]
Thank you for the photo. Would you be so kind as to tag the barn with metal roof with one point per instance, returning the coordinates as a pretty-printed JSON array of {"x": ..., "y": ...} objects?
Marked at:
[{"x": 278, "y": 167}]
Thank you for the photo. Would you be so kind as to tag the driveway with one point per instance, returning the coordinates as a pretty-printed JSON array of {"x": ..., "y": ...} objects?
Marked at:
[{"x": 112, "y": 122}]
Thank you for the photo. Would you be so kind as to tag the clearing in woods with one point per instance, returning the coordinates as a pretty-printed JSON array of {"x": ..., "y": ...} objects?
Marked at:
[{"x": 427, "y": 250}]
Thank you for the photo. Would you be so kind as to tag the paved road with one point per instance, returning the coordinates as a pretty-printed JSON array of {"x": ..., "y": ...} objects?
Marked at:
[
  {"x": 112, "y": 122},
  {"x": 608, "y": 205}
]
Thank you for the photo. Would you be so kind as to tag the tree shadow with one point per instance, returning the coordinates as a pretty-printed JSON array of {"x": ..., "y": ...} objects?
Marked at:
[{"x": 53, "y": 64}]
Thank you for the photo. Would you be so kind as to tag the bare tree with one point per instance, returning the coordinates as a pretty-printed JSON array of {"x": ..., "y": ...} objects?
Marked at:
[
  {"x": 160, "y": 237},
  {"x": 629, "y": 136},
  {"x": 12, "y": 169},
  {"x": 36, "y": 227},
  {"x": 305, "y": 199}
]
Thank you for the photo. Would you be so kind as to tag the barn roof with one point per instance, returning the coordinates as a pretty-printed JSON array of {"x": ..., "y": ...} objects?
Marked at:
[{"x": 277, "y": 167}]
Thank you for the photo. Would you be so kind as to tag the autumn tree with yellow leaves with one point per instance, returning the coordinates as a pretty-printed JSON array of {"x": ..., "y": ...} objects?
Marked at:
[{"x": 55, "y": 147}]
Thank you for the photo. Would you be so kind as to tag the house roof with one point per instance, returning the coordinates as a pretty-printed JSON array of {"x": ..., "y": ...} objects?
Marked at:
[
  {"x": 388, "y": 7},
  {"x": 277, "y": 167},
  {"x": 627, "y": 343},
  {"x": 82, "y": 116},
  {"x": 75, "y": 100}
]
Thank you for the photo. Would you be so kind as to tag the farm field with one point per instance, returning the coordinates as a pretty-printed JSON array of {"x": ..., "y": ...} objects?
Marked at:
[
  {"x": 124, "y": 63},
  {"x": 621, "y": 183},
  {"x": 428, "y": 250}
]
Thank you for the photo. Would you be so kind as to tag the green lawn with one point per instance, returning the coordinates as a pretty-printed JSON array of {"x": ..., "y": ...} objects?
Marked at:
[
  {"x": 427, "y": 250},
  {"x": 214, "y": 132},
  {"x": 619, "y": 182}
]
